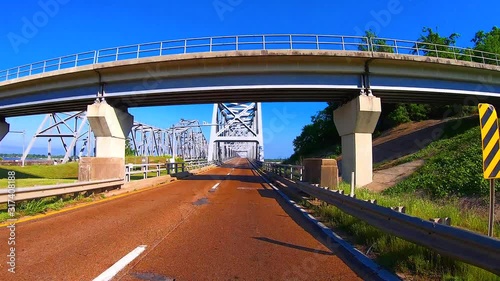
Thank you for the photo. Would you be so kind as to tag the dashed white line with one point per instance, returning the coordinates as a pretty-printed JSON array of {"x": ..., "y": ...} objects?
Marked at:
[
  {"x": 121, "y": 264},
  {"x": 214, "y": 188}
]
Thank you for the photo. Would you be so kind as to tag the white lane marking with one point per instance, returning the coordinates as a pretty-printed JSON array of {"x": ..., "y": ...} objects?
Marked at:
[
  {"x": 214, "y": 188},
  {"x": 121, "y": 264}
]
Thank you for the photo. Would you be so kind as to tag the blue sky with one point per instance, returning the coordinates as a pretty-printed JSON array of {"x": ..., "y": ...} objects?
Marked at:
[{"x": 52, "y": 28}]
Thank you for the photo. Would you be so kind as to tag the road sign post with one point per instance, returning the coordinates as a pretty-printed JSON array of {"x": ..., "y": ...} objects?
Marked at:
[{"x": 491, "y": 153}]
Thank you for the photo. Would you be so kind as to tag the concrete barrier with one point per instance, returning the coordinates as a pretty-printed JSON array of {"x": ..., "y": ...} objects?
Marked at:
[{"x": 324, "y": 172}]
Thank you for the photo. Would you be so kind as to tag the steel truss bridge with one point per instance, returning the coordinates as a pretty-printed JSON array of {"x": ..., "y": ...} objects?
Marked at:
[{"x": 184, "y": 139}]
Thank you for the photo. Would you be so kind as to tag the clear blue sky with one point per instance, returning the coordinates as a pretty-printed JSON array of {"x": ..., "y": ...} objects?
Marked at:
[{"x": 72, "y": 26}]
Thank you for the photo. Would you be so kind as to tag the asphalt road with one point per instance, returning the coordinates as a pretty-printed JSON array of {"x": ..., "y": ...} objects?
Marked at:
[{"x": 193, "y": 229}]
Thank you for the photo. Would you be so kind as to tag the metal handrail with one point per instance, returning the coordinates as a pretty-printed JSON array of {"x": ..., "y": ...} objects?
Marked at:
[
  {"x": 247, "y": 42},
  {"x": 170, "y": 168},
  {"x": 29, "y": 193}
]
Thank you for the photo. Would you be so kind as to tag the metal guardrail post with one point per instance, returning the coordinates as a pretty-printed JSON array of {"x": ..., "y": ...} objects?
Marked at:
[
  {"x": 182, "y": 167},
  {"x": 144, "y": 171},
  {"x": 291, "y": 172},
  {"x": 158, "y": 171},
  {"x": 127, "y": 173}
]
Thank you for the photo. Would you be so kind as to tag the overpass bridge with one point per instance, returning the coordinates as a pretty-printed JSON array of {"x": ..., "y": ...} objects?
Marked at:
[{"x": 252, "y": 69}]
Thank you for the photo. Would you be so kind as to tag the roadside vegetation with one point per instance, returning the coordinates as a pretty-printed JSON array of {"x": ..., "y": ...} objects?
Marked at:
[
  {"x": 40, "y": 174},
  {"x": 54, "y": 203},
  {"x": 409, "y": 260},
  {"x": 452, "y": 167},
  {"x": 449, "y": 184}
]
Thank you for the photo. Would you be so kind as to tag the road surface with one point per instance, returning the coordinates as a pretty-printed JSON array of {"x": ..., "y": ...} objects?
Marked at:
[{"x": 225, "y": 224}]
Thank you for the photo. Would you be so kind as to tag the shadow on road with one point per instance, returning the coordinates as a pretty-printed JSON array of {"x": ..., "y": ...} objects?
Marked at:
[{"x": 302, "y": 248}]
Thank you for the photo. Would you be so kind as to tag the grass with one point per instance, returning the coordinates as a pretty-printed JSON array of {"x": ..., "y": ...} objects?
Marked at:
[
  {"x": 405, "y": 257},
  {"x": 35, "y": 182},
  {"x": 452, "y": 164},
  {"x": 38, "y": 175},
  {"x": 62, "y": 171},
  {"x": 425, "y": 207},
  {"x": 434, "y": 144},
  {"x": 53, "y": 203}
]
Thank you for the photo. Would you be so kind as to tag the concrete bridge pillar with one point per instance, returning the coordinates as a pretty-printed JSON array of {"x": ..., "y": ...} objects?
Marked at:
[
  {"x": 4, "y": 128},
  {"x": 111, "y": 127},
  {"x": 355, "y": 122}
]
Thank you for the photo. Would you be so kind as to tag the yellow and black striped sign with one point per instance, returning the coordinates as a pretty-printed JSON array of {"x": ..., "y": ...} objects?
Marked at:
[{"x": 490, "y": 139}]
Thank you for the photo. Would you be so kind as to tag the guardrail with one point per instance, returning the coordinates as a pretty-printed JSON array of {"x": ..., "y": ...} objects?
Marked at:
[
  {"x": 293, "y": 172},
  {"x": 29, "y": 193},
  {"x": 170, "y": 168},
  {"x": 464, "y": 245},
  {"x": 252, "y": 42},
  {"x": 193, "y": 164}
]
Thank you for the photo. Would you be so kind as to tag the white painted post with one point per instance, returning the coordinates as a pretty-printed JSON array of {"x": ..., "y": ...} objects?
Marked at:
[{"x": 353, "y": 186}]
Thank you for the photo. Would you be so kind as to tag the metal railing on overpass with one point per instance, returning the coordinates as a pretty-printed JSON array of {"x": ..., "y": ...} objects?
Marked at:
[
  {"x": 461, "y": 244},
  {"x": 252, "y": 42}
]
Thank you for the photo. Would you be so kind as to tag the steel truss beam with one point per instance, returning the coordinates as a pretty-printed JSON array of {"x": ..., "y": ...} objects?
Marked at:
[
  {"x": 61, "y": 126},
  {"x": 188, "y": 140},
  {"x": 185, "y": 139},
  {"x": 237, "y": 131}
]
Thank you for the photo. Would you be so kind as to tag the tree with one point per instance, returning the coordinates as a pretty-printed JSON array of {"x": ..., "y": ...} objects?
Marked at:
[
  {"x": 375, "y": 44},
  {"x": 129, "y": 151},
  {"x": 434, "y": 45},
  {"x": 320, "y": 134},
  {"x": 487, "y": 42}
]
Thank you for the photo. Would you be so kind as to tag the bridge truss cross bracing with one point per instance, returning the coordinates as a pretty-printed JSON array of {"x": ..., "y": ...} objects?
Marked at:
[
  {"x": 188, "y": 140},
  {"x": 64, "y": 126},
  {"x": 72, "y": 129},
  {"x": 236, "y": 131}
]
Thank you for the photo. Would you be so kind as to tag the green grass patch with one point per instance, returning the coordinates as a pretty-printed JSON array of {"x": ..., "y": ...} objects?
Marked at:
[
  {"x": 453, "y": 164},
  {"x": 38, "y": 175},
  {"x": 61, "y": 171},
  {"x": 405, "y": 257},
  {"x": 424, "y": 207},
  {"x": 35, "y": 182},
  {"x": 43, "y": 205}
]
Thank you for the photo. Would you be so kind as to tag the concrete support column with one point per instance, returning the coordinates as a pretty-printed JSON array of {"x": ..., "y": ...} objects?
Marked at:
[
  {"x": 4, "y": 128},
  {"x": 355, "y": 122},
  {"x": 111, "y": 127}
]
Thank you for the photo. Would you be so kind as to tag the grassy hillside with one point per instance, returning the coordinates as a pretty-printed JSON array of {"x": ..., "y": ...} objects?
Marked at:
[{"x": 453, "y": 165}]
